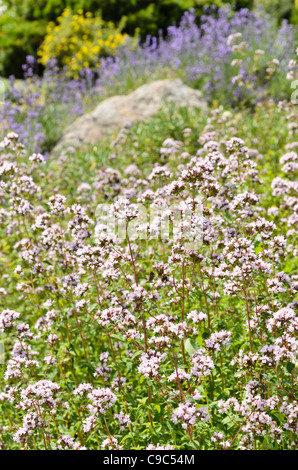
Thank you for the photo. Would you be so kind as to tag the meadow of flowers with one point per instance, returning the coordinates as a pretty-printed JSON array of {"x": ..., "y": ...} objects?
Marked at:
[
  {"x": 148, "y": 295},
  {"x": 243, "y": 71}
]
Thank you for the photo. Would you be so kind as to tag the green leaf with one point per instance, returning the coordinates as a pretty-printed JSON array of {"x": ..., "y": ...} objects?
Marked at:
[
  {"x": 290, "y": 367},
  {"x": 196, "y": 445},
  {"x": 227, "y": 216},
  {"x": 191, "y": 346}
]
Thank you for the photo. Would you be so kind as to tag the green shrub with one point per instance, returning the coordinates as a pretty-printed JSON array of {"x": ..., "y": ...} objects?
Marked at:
[
  {"x": 281, "y": 9},
  {"x": 17, "y": 40},
  {"x": 79, "y": 40},
  {"x": 152, "y": 16}
]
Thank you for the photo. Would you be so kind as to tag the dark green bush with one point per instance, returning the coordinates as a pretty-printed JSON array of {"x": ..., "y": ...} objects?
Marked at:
[
  {"x": 17, "y": 40},
  {"x": 152, "y": 16}
]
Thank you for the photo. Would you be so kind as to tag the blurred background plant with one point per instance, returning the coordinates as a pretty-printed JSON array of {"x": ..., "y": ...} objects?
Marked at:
[
  {"x": 241, "y": 73},
  {"x": 280, "y": 9},
  {"x": 23, "y": 23},
  {"x": 80, "y": 40}
]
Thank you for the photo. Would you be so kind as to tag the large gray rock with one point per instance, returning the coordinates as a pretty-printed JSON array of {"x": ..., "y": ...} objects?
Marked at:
[{"x": 139, "y": 105}]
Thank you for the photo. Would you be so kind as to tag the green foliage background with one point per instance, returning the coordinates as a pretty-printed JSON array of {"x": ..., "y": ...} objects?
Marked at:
[{"x": 23, "y": 25}]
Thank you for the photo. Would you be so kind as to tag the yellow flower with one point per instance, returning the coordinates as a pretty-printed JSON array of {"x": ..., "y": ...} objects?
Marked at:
[{"x": 78, "y": 40}]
